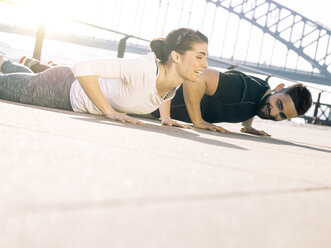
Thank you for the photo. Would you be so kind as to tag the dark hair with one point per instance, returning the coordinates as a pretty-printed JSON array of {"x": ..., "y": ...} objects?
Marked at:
[
  {"x": 180, "y": 40},
  {"x": 301, "y": 97}
]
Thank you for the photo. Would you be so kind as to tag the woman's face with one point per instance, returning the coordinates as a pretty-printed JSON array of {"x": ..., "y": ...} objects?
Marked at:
[{"x": 193, "y": 62}]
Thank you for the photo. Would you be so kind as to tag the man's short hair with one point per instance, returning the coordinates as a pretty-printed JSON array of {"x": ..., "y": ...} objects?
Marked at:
[{"x": 301, "y": 97}]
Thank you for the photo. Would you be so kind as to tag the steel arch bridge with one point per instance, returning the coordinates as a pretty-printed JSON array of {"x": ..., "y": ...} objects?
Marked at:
[{"x": 307, "y": 39}]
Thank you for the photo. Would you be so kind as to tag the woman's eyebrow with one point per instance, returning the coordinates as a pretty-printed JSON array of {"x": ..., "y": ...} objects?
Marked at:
[{"x": 203, "y": 53}]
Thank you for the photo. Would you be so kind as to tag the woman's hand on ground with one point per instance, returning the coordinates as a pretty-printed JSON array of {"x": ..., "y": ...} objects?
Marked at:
[
  {"x": 254, "y": 131},
  {"x": 170, "y": 122},
  {"x": 209, "y": 126},
  {"x": 116, "y": 116}
]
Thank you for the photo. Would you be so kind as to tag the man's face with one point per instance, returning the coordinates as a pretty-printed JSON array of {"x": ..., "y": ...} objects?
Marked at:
[{"x": 279, "y": 106}]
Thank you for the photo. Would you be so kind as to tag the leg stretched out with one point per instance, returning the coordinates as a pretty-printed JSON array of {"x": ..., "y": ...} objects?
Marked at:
[{"x": 50, "y": 88}]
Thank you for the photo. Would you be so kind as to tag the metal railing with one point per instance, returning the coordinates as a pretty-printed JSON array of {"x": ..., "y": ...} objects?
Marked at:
[{"x": 322, "y": 112}]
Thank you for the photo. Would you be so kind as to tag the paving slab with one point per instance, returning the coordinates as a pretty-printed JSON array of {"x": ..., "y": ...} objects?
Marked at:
[
  {"x": 77, "y": 180},
  {"x": 273, "y": 220}
]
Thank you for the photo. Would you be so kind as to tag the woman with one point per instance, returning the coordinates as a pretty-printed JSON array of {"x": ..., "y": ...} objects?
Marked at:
[{"x": 114, "y": 87}]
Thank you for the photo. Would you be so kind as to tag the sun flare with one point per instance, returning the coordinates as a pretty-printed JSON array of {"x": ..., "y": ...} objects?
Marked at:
[{"x": 53, "y": 14}]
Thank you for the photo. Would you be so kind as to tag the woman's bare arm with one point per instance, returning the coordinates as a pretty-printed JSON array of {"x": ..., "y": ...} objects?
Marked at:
[{"x": 90, "y": 85}]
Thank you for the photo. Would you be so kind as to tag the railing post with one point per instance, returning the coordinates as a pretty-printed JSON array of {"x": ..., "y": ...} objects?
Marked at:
[
  {"x": 122, "y": 46},
  {"x": 267, "y": 79},
  {"x": 317, "y": 105},
  {"x": 40, "y": 35}
]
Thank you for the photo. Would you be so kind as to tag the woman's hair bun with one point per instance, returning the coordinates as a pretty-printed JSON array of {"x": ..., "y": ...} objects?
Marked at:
[{"x": 159, "y": 48}]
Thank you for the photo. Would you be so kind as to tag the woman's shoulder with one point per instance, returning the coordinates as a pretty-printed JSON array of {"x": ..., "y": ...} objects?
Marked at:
[
  {"x": 150, "y": 57},
  {"x": 146, "y": 63},
  {"x": 141, "y": 60}
]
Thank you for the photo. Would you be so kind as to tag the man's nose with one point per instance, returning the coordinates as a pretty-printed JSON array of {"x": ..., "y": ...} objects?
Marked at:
[{"x": 274, "y": 112}]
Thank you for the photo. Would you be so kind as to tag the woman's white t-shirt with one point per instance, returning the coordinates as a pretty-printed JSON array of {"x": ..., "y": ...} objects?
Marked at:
[{"x": 128, "y": 84}]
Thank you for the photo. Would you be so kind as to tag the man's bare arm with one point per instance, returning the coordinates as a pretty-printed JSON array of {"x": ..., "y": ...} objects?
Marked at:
[
  {"x": 193, "y": 93},
  {"x": 165, "y": 116}
]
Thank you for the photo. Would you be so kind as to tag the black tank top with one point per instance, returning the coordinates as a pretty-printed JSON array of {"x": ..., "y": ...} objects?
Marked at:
[{"x": 235, "y": 99}]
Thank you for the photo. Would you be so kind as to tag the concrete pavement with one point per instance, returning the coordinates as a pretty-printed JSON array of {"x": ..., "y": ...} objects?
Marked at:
[{"x": 76, "y": 180}]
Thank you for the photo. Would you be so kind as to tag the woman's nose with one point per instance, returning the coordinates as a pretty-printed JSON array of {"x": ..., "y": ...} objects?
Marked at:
[{"x": 205, "y": 63}]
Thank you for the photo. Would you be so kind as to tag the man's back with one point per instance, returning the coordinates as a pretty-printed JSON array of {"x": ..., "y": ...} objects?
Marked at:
[{"x": 235, "y": 99}]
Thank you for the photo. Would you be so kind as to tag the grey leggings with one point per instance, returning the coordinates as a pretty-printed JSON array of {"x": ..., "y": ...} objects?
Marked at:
[{"x": 50, "y": 88}]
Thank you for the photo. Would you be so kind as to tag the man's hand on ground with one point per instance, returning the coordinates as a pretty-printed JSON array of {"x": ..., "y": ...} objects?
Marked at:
[
  {"x": 173, "y": 123},
  {"x": 254, "y": 131},
  {"x": 209, "y": 126}
]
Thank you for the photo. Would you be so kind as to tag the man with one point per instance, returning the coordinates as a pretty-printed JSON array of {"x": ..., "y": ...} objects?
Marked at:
[{"x": 236, "y": 97}]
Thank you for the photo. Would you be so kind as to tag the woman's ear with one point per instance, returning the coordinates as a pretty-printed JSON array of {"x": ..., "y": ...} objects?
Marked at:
[{"x": 174, "y": 56}]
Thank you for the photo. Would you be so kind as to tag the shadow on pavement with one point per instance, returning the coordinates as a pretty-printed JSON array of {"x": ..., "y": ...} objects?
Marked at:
[
  {"x": 178, "y": 132},
  {"x": 165, "y": 130},
  {"x": 268, "y": 140}
]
